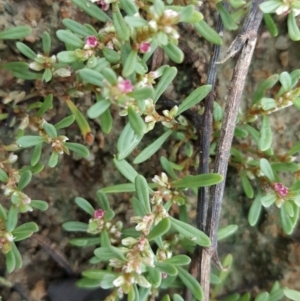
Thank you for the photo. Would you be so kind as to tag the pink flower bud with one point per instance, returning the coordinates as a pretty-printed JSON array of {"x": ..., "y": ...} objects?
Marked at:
[
  {"x": 164, "y": 275},
  {"x": 99, "y": 213},
  {"x": 103, "y": 4},
  {"x": 125, "y": 86},
  {"x": 281, "y": 189},
  {"x": 145, "y": 47},
  {"x": 91, "y": 42}
]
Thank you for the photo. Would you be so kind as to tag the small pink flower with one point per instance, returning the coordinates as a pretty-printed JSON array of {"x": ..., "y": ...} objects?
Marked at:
[
  {"x": 91, "y": 42},
  {"x": 145, "y": 47},
  {"x": 103, "y": 4},
  {"x": 164, "y": 275},
  {"x": 280, "y": 189},
  {"x": 125, "y": 86},
  {"x": 99, "y": 213}
]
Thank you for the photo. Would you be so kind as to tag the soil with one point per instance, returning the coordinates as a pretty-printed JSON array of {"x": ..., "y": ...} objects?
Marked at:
[{"x": 261, "y": 254}]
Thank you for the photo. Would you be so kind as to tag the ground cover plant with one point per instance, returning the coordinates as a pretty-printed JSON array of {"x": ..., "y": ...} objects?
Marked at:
[{"x": 163, "y": 254}]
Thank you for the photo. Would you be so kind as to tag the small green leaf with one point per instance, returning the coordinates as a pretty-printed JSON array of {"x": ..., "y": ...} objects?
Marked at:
[
  {"x": 142, "y": 190},
  {"x": 152, "y": 148},
  {"x": 214, "y": 279},
  {"x": 50, "y": 130},
  {"x": 47, "y": 75},
  {"x": 160, "y": 229},
  {"x": 227, "y": 18},
  {"x": 77, "y": 27},
  {"x": 267, "y": 169},
  {"x": 70, "y": 38},
  {"x": 41, "y": 205},
  {"x": 268, "y": 200},
  {"x": 154, "y": 277},
  {"x": 10, "y": 261},
  {"x": 293, "y": 29},
  {"x": 268, "y": 103},
  {"x": 46, "y": 43},
  {"x": 92, "y": 10},
  {"x": 178, "y": 260},
  {"x": 255, "y": 210},
  {"x": 164, "y": 267},
  {"x": 264, "y": 86},
  {"x": 111, "y": 55},
  {"x": 36, "y": 154},
  {"x": 65, "y": 122},
  {"x": 67, "y": 57},
  {"x": 190, "y": 232},
  {"x": 88, "y": 283},
  {"x": 53, "y": 160},
  {"x": 24, "y": 179},
  {"x": 173, "y": 52},
  {"x": 3, "y": 176},
  {"x": 15, "y": 33},
  {"x": 265, "y": 137},
  {"x": 198, "y": 181},
  {"x": 264, "y": 296},
  {"x": 269, "y": 6},
  {"x": 25, "y": 231},
  {"x": 91, "y": 76},
  {"x": 226, "y": 231},
  {"x": 168, "y": 167},
  {"x": 126, "y": 169},
  {"x": 98, "y": 108},
  {"x": 291, "y": 294},
  {"x": 142, "y": 93},
  {"x": 286, "y": 221},
  {"x": 12, "y": 218},
  {"x": 129, "y": 7},
  {"x": 17, "y": 255},
  {"x": 28, "y": 141},
  {"x": 285, "y": 81},
  {"x": 194, "y": 98},
  {"x": 85, "y": 242},
  {"x": 208, "y": 33},
  {"x": 247, "y": 185},
  {"x": 191, "y": 283},
  {"x": 106, "y": 253},
  {"x": 106, "y": 121},
  {"x": 167, "y": 77},
  {"x": 136, "y": 121},
  {"x": 133, "y": 21},
  {"x": 271, "y": 25},
  {"x": 85, "y": 205},
  {"x": 75, "y": 226},
  {"x": 122, "y": 29},
  {"x": 138, "y": 208},
  {"x": 47, "y": 104},
  {"x": 130, "y": 63},
  {"x": 25, "y": 50},
  {"x": 102, "y": 200},
  {"x": 77, "y": 148}
]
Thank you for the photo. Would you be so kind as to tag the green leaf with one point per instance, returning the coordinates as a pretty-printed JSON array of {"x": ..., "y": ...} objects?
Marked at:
[
  {"x": 152, "y": 148},
  {"x": 65, "y": 122},
  {"x": 12, "y": 218},
  {"x": 264, "y": 86},
  {"x": 67, "y": 57},
  {"x": 208, "y": 33},
  {"x": 88, "y": 283},
  {"x": 268, "y": 200},
  {"x": 154, "y": 277},
  {"x": 106, "y": 121},
  {"x": 268, "y": 103},
  {"x": 91, "y": 76},
  {"x": 25, "y": 231},
  {"x": 50, "y": 130},
  {"x": 85, "y": 242},
  {"x": 214, "y": 279},
  {"x": 227, "y": 18},
  {"x": 136, "y": 121},
  {"x": 270, "y": 24},
  {"x": 92, "y": 10},
  {"x": 138, "y": 208},
  {"x": 194, "y": 98},
  {"x": 173, "y": 52},
  {"x": 111, "y": 55},
  {"x": 267, "y": 169},
  {"x": 191, "y": 283},
  {"x": 190, "y": 232},
  {"x": 122, "y": 29},
  {"x": 77, "y": 148},
  {"x": 142, "y": 190},
  {"x": 226, "y": 231},
  {"x": 75, "y": 226},
  {"x": 178, "y": 260},
  {"x": 163, "y": 267},
  {"x": 130, "y": 63},
  {"x": 28, "y": 141},
  {"x": 24, "y": 179},
  {"x": 85, "y": 205},
  {"x": 46, "y": 43},
  {"x": 167, "y": 77},
  {"x": 3, "y": 176},
  {"x": 53, "y": 160},
  {"x": 3, "y": 214},
  {"x": 269, "y": 6},
  {"x": 98, "y": 108},
  {"x": 133, "y": 21},
  {"x": 129, "y": 7},
  {"x": 127, "y": 142},
  {"x": 291, "y": 294},
  {"x": 264, "y": 296},
  {"x": 198, "y": 181},
  {"x": 17, "y": 255},
  {"x": 47, "y": 104},
  {"x": 247, "y": 185},
  {"x": 255, "y": 210},
  {"x": 36, "y": 154},
  {"x": 142, "y": 93},
  {"x": 77, "y": 27},
  {"x": 10, "y": 261},
  {"x": 70, "y": 38},
  {"x": 47, "y": 75},
  {"x": 126, "y": 169},
  {"x": 25, "y": 50},
  {"x": 293, "y": 29},
  {"x": 285, "y": 81},
  {"x": 265, "y": 137},
  {"x": 286, "y": 221},
  {"x": 15, "y": 33},
  {"x": 41, "y": 205},
  {"x": 168, "y": 167},
  {"x": 106, "y": 253},
  {"x": 160, "y": 229}
]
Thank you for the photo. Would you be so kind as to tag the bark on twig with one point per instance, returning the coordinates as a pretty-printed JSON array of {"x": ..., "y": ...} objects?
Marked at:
[{"x": 209, "y": 206}]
